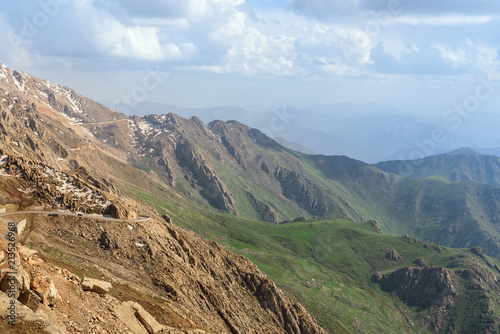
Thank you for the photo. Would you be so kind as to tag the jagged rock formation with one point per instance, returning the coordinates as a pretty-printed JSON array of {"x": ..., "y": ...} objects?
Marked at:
[
  {"x": 302, "y": 190},
  {"x": 62, "y": 99},
  {"x": 60, "y": 190},
  {"x": 205, "y": 177},
  {"x": 168, "y": 168},
  {"x": 424, "y": 287},
  {"x": 393, "y": 256},
  {"x": 428, "y": 287},
  {"x": 267, "y": 213}
]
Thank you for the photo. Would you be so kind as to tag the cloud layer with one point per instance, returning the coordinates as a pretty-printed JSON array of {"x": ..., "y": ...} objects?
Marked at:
[
  {"x": 234, "y": 37},
  {"x": 308, "y": 40}
]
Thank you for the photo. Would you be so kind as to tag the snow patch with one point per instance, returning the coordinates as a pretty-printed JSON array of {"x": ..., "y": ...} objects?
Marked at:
[
  {"x": 3, "y": 159},
  {"x": 74, "y": 104},
  {"x": 20, "y": 82},
  {"x": 3, "y": 73}
]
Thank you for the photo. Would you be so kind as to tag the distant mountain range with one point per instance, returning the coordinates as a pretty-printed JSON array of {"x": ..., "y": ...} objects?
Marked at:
[
  {"x": 371, "y": 133},
  {"x": 363, "y": 247},
  {"x": 459, "y": 165}
]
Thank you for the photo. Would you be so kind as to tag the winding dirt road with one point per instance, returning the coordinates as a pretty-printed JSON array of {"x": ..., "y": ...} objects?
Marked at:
[{"x": 63, "y": 213}]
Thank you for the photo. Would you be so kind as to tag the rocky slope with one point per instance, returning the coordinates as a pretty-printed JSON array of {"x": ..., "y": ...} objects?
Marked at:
[
  {"x": 50, "y": 97},
  {"x": 442, "y": 293},
  {"x": 195, "y": 284},
  {"x": 163, "y": 279},
  {"x": 190, "y": 284},
  {"x": 218, "y": 159}
]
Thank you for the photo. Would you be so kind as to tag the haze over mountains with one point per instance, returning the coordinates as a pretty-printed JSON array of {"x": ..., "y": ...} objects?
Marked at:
[{"x": 368, "y": 132}]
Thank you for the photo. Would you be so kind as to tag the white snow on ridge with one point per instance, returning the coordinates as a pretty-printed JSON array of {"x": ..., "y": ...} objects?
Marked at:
[
  {"x": 145, "y": 127},
  {"x": 74, "y": 105},
  {"x": 3, "y": 72},
  {"x": 53, "y": 86},
  {"x": 20, "y": 83}
]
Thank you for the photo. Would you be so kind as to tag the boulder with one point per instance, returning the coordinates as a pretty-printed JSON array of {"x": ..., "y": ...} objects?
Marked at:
[
  {"x": 420, "y": 262},
  {"x": 126, "y": 314},
  {"x": 44, "y": 288},
  {"x": 146, "y": 319},
  {"x": 90, "y": 284},
  {"x": 119, "y": 212},
  {"x": 137, "y": 319},
  {"x": 167, "y": 218},
  {"x": 393, "y": 256},
  {"x": 30, "y": 299}
]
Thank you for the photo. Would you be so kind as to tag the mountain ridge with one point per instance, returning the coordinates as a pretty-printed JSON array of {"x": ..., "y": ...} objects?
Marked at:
[{"x": 221, "y": 180}]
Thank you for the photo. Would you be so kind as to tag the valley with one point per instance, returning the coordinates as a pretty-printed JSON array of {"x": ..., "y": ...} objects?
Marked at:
[{"x": 244, "y": 235}]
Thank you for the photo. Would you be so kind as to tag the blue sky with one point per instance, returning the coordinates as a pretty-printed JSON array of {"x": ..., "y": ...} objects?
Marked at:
[{"x": 418, "y": 56}]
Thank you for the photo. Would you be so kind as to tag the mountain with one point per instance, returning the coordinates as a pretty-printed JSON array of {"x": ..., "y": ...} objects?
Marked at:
[
  {"x": 457, "y": 165},
  {"x": 161, "y": 275},
  {"x": 236, "y": 169},
  {"x": 332, "y": 130},
  {"x": 293, "y": 146},
  {"x": 220, "y": 189}
]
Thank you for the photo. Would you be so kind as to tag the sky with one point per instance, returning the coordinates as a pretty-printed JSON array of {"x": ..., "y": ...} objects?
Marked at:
[{"x": 420, "y": 56}]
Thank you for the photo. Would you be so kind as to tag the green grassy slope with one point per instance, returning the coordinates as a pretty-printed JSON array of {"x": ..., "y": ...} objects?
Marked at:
[
  {"x": 325, "y": 264},
  {"x": 459, "y": 165},
  {"x": 292, "y": 184}
]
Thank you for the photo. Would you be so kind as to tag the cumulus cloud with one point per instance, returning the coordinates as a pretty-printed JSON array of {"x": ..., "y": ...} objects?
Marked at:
[
  {"x": 338, "y": 8},
  {"x": 418, "y": 20},
  {"x": 246, "y": 50},
  {"x": 478, "y": 57},
  {"x": 232, "y": 37}
]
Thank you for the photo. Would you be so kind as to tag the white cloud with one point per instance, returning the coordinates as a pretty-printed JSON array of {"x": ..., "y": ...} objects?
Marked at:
[
  {"x": 478, "y": 57},
  {"x": 132, "y": 42},
  {"x": 179, "y": 24},
  {"x": 417, "y": 20},
  {"x": 456, "y": 58},
  {"x": 335, "y": 50},
  {"x": 15, "y": 51},
  {"x": 248, "y": 51}
]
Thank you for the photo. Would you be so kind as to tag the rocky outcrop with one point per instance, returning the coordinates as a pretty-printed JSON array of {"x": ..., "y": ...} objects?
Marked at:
[
  {"x": 119, "y": 211},
  {"x": 267, "y": 213},
  {"x": 426, "y": 287},
  {"x": 393, "y": 256},
  {"x": 376, "y": 226},
  {"x": 163, "y": 162},
  {"x": 25, "y": 320},
  {"x": 203, "y": 176},
  {"x": 21, "y": 281},
  {"x": 420, "y": 262},
  {"x": 300, "y": 189},
  {"x": 230, "y": 149},
  {"x": 60, "y": 189},
  {"x": 137, "y": 319},
  {"x": 95, "y": 285}
]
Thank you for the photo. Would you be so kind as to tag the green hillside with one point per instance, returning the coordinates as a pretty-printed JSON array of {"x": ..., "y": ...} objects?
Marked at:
[
  {"x": 458, "y": 165},
  {"x": 327, "y": 265},
  {"x": 234, "y": 169}
]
